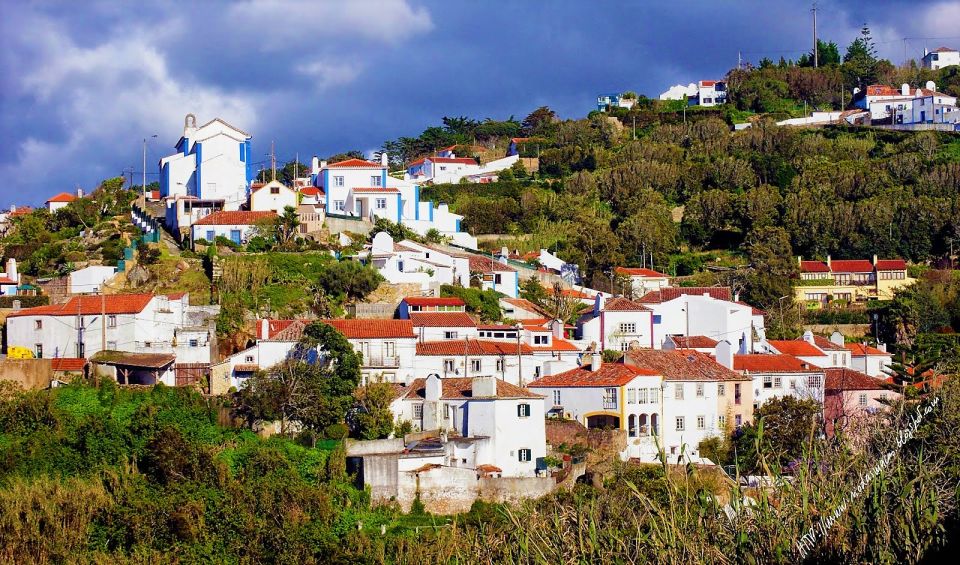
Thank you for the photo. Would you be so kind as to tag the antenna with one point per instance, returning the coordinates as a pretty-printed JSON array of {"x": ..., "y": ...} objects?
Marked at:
[
  {"x": 273, "y": 161},
  {"x": 816, "y": 58}
]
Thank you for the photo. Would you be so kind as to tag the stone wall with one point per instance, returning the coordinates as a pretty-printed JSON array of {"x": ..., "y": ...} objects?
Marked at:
[
  {"x": 338, "y": 225},
  {"x": 515, "y": 489},
  {"x": 453, "y": 490},
  {"x": 30, "y": 374}
]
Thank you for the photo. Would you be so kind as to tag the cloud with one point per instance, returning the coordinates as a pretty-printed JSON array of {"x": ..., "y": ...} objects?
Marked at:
[
  {"x": 325, "y": 74},
  {"x": 379, "y": 21}
]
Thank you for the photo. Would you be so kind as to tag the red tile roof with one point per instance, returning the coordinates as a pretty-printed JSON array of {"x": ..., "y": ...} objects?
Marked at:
[
  {"x": 840, "y": 378},
  {"x": 356, "y": 163},
  {"x": 7, "y": 280},
  {"x": 860, "y": 350},
  {"x": 462, "y": 387},
  {"x": 461, "y": 160},
  {"x": 851, "y": 266},
  {"x": 91, "y": 305},
  {"x": 639, "y": 272},
  {"x": 827, "y": 345},
  {"x": 477, "y": 347},
  {"x": 571, "y": 293},
  {"x": 557, "y": 344},
  {"x": 273, "y": 327},
  {"x": 417, "y": 162},
  {"x": 311, "y": 191},
  {"x": 682, "y": 365},
  {"x": 943, "y": 50},
  {"x": 694, "y": 342},
  {"x": 525, "y": 304},
  {"x": 795, "y": 347},
  {"x": 502, "y": 327},
  {"x": 814, "y": 267},
  {"x": 377, "y": 189},
  {"x": 72, "y": 364},
  {"x": 891, "y": 265},
  {"x": 372, "y": 328},
  {"x": 621, "y": 304},
  {"x": 760, "y": 363},
  {"x": 488, "y": 265},
  {"x": 21, "y": 211},
  {"x": 63, "y": 197},
  {"x": 235, "y": 218},
  {"x": 442, "y": 319},
  {"x": 433, "y": 301},
  {"x": 671, "y": 293},
  {"x": 609, "y": 374}
]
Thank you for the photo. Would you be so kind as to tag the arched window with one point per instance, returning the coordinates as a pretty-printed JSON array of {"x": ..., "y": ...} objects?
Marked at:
[{"x": 632, "y": 425}]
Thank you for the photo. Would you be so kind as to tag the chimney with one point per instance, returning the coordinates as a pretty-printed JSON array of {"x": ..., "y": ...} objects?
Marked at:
[
  {"x": 13, "y": 207},
  {"x": 926, "y": 51},
  {"x": 874, "y": 260},
  {"x": 434, "y": 388},
  {"x": 931, "y": 85},
  {"x": 724, "y": 354},
  {"x": 315, "y": 165},
  {"x": 882, "y": 346},
  {"x": 905, "y": 89},
  {"x": 483, "y": 387},
  {"x": 323, "y": 164},
  {"x": 736, "y": 297},
  {"x": 79, "y": 193},
  {"x": 12, "y": 270},
  {"x": 828, "y": 262},
  {"x": 264, "y": 328},
  {"x": 598, "y": 304},
  {"x": 384, "y": 159},
  {"x": 16, "y": 304},
  {"x": 808, "y": 337},
  {"x": 836, "y": 338},
  {"x": 557, "y": 327},
  {"x": 596, "y": 360}
]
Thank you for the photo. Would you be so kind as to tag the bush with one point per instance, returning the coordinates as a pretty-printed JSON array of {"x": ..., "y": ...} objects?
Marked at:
[
  {"x": 25, "y": 301},
  {"x": 336, "y": 431}
]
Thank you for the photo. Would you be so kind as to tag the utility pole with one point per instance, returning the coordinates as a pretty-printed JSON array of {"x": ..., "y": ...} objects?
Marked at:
[
  {"x": 143, "y": 187},
  {"x": 273, "y": 161},
  {"x": 739, "y": 61},
  {"x": 816, "y": 58},
  {"x": 519, "y": 357},
  {"x": 103, "y": 317}
]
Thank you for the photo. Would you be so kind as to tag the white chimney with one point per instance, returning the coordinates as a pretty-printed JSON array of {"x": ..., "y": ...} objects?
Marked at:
[
  {"x": 557, "y": 327},
  {"x": 13, "y": 207},
  {"x": 79, "y": 193},
  {"x": 596, "y": 360},
  {"x": 12, "y": 270},
  {"x": 931, "y": 85},
  {"x": 483, "y": 387},
  {"x": 836, "y": 338},
  {"x": 323, "y": 164},
  {"x": 882, "y": 347},
  {"x": 315, "y": 165},
  {"x": 808, "y": 337},
  {"x": 905, "y": 89},
  {"x": 384, "y": 159},
  {"x": 434, "y": 388},
  {"x": 264, "y": 328},
  {"x": 724, "y": 354}
]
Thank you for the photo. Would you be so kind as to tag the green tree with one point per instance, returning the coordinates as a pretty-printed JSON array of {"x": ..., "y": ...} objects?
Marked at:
[
  {"x": 372, "y": 417},
  {"x": 860, "y": 60},
  {"x": 539, "y": 122},
  {"x": 287, "y": 224},
  {"x": 772, "y": 267},
  {"x": 782, "y": 427}
]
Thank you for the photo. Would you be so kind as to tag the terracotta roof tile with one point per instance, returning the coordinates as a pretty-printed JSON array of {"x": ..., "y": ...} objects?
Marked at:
[
  {"x": 851, "y": 266},
  {"x": 795, "y": 347},
  {"x": 761, "y": 363},
  {"x": 684, "y": 365},
  {"x": 621, "y": 304},
  {"x": 434, "y": 301},
  {"x": 72, "y": 364},
  {"x": 860, "y": 350},
  {"x": 557, "y": 344},
  {"x": 477, "y": 347},
  {"x": 694, "y": 342},
  {"x": 459, "y": 160},
  {"x": 891, "y": 265},
  {"x": 442, "y": 320},
  {"x": 639, "y": 272},
  {"x": 91, "y": 305},
  {"x": 524, "y": 304},
  {"x": 234, "y": 218},
  {"x": 840, "y": 378},
  {"x": 63, "y": 197},
  {"x": 292, "y": 330},
  {"x": 462, "y": 387},
  {"x": 814, "y": 267},
  {"x": 609, "y": 374},
  {"x": 356, "y": 163},
  {"x": 487, "y": 265},
  {"x": 827, "y": 345},
  {"x": 671, "y": 293}
]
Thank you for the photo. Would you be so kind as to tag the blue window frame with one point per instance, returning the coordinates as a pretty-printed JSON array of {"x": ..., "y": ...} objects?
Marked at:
[
  {"x": 657, "y": 318},
  {"x": 235, "y": 236},
  {"x": 210, "y": 235}
]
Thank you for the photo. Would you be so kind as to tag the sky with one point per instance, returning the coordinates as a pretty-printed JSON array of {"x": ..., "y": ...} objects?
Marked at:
[{"x": 85, "y": 82}]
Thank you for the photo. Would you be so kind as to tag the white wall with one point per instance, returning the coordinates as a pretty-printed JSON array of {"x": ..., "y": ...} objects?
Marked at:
[
  {"x": 90, "y": 279},
  {"x": 263, "y": 199},
  {"x": 790, "y": 384},
  {"x": 609, "y": 325},
  {"x": 690, "y": 408},
  {"x": 202, "y": 231},
  {"x": 717, "y": 319}
]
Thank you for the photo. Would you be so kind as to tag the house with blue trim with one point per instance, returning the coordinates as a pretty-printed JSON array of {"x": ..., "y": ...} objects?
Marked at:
[{"x": 213, "y": 163}]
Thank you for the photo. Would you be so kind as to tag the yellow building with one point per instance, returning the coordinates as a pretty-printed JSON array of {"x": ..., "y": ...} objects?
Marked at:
[{"x": 856, "y": 280}]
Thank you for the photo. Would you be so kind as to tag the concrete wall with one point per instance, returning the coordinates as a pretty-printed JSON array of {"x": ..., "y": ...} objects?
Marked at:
[
  {"x": 515, "y": 489},
  {"x": 30, "y": 374},
  {"x": 372, "y": 447},
  {"x": 338, "y": 225}
]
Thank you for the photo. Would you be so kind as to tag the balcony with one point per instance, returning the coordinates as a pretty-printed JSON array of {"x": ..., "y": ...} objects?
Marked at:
[
  {"x": 392, "y": 361},
  {"x": 609, "y": 404}
]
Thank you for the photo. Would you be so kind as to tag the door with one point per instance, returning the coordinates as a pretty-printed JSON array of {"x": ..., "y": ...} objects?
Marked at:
[
  {"x": 210, "y": 236},
  {"x": 235, "y": 236}
]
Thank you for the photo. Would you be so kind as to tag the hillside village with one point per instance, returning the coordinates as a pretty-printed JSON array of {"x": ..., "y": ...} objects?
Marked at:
[{"x": 497, "y": 309}]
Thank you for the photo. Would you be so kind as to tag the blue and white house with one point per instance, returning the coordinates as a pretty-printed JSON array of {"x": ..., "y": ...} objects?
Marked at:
[{"x": 213, "y": 163}]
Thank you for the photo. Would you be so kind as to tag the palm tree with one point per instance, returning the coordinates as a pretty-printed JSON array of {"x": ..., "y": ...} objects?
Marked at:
[{"x": 287, "y": 225}]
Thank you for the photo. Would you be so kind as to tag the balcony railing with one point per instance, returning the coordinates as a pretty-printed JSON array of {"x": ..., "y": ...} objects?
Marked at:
[
  {"x": 609, "y": 404},
  {"x": 381, "y": 361}
]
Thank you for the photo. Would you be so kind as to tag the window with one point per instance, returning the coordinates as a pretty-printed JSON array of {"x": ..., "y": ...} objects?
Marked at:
[
  {"x": 443, "y": 167},
  {"x": 722, "y": 389},
  {"x": 274, "y": 190},
  {"x": 381, "y": 203},
  {"x": 657, "y": 318},
  {"x": 418, "y": 411},
  {"x": 475, "y": 365},
  {"x": 111, "y": 321},
  {"x": 699, "y": 390},
  {"x": 500, "y": 365},
  {"x": 497, "y": 279},
  {"x": 642, "y": 396},
  {"x": 541, "y": 340},
  {"x": 609, "y": 398},
  {"x": 112, "y": 345},
  {"x": 524, "y": 455},
  {"x": 738, "y": 420},
  {"x": 389, "y": 348},
  {"x": 556, "y": 398},
  {"x": 736, "y": 393},
  {"x": 678, "y": 391},
  {"x": 446, "y": 411},
  {"x": 814, "y": 381},
  {"x": 338, "y": 206},
  {"x": 523, "y": 410},
  {"x": 337, "y": 181},
  {"x": 79, "y": 349},
  {"x": 628, "y": 328},
  {"x": 631, "y": 396},
  {"x": 375, "y": 180},
  {"x": 767, "y": 381},
  {"x": 701, "y": 422},
  {"x": 147, "y": 344},
  {"x": 680, "y": 423},
  {"x": 194, "y": 343},
  {"x": 38, "y": 350},
  {"x": 834, "y": 359},
  {"x": 793, "y": 384},
  {"x": 624, "y": 346},
  {"x": 448, "y": 366},
  {"x": 248, "y": 359},
  {"x": 777, "y": 382},
  {"x": 38, "y": 324},
  {"x": 863, "y": 399},
  {"x": 449, "y": 335},
  {"x": 722, "y": 421}
]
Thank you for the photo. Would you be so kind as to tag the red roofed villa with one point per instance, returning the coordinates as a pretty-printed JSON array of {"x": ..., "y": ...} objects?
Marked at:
[{"x": 856, "y": 280}]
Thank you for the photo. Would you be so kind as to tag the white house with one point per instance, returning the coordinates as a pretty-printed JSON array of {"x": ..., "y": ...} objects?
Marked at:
[
  {"x": 694, "y": 400},
  {"x": 411, "y": 262},
  {"x": 817, "y": 351},
  {"x": 703, "y": 311},
  {"x": 495, "y": 275},
  {"x": 679, "y": 92},
  {"x": 507, "y": 361},
  {"x": 870, "y": 360},
  {"x": 505, "y": 421},
  {"x": 61, "y": 200},
  {"x": 520, "y": 309},
  {"x": 85, "y": 325},
  {"x": 643, "y": 280},
  {"x": 609, "y": 395},
  {"x": 436, "y": 326},
  {"x": 907, "y": 105},
  {"x": 212, "y": 162},
  {"x": 616, "y": 100},
  {"x": 940, "y": 57},
  {"x": 90, "y": 279},
  {"x": 778, "y": 375},
  {"x": 9, "y": 279},
  {"x": 710, "y": 93},
  {"x": 237, "y": 226},
  {"x": 272, "y": 197},
  {"x": 181, "y": 212},
  {"x": 617, "y": 323}
]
